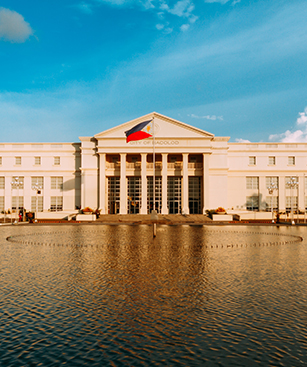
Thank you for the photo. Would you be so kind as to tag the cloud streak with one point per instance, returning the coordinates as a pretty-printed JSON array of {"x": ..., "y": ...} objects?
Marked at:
[{"x": 13, "y": 27}]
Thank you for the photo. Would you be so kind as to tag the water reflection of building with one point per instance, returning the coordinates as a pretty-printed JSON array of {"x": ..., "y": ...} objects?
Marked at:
[{"x": 194, "y": 171}]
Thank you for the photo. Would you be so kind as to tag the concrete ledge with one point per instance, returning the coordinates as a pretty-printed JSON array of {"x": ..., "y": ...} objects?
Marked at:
[
  {"x": 222, "y": 217},
  {"x": 86, "y": 217}
]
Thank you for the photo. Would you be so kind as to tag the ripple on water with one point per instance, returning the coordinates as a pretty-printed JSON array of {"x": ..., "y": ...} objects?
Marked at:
[{"x": 111, "y": 295}]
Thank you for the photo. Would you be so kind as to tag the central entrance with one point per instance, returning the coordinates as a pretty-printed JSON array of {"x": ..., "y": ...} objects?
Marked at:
[
  {"x": 158, "y": 194},
  {"x": 134, "y": 194},
  {"x": 174, "y": 194}
]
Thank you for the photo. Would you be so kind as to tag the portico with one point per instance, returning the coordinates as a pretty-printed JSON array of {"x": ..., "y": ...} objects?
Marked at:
[{"x": 126, "y": 170}]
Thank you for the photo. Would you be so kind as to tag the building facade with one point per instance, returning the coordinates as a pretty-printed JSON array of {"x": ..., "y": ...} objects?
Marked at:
[{"x": 194, "y": 171}]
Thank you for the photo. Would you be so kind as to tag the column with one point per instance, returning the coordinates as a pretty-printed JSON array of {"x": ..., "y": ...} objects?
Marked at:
[
  {"x": 282, "y": 193},
  {"x": 263, "y": 193},
  {"x": 164, "y": 184},
  {"x": 47, "y": 192},
  {"x": 301, "y": 193},
  {"x": 102, "y": 183},
  {"x": 185, "y": 184},
  {"x": 205, "y": 182},
  {"x": 123, "y": 185},
  {"x": 144, "y": 183}
]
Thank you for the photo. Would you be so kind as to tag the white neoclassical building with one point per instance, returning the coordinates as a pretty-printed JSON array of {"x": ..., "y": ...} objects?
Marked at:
[{"x": 194, "y": 171}]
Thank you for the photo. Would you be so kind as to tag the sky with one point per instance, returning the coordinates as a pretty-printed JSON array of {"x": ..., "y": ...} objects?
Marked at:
[{"x": 75, "y": 68}]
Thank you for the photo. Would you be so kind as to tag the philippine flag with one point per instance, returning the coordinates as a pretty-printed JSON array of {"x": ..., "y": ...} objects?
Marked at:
[{"x": 140, "y": 131}]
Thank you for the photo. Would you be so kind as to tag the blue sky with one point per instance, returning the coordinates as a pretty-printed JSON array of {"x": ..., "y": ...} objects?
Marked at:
[{"x": 75, "y": 68}]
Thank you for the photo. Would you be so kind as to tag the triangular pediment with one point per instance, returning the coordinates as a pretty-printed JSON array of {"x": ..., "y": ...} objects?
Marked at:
[{"x": 165, "y": 127}]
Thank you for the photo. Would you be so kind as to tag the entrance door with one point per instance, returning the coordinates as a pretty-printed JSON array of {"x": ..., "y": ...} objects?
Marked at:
[
  {"x": 174, "y": 194},
  {"x": 195, "y": 195},
  {"x": 134, "y": 195},
  {"x": 113, "y": 195}
]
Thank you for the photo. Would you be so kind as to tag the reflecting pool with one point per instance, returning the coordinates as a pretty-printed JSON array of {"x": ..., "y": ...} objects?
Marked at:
[{"x": 101, "y": 295}]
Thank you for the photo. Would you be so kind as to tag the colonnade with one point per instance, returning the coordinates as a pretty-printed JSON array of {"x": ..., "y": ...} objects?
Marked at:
[{"x": 144, "y": 173}]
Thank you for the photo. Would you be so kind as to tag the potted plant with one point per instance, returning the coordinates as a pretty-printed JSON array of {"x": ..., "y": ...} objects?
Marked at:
[
  {"x": 87, "y": 210},
  {"x": 220, "y": 210}
]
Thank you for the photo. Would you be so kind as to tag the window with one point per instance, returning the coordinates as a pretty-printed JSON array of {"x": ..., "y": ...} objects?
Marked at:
[
  {"x": 291, "y": 161},
  {"x": 56, "y": 183},
  {"x": 114, "y": 159},
  {"x": 37, "y": 161},
  {"x": 252, "y": 161},
  {"x": 40, "y": 201},
  {"x": 56, "y": 203},
  {"x": 2, "y": 183},
  {"x": 173, "y": 159},
  {"x": 289, "y": 201},
  {"x": 252, "y": 183},
  {"x": 57, "y": 161},
  {"x": 289, "y": 179},
  {"x": 37, "y": 180},
  {"x": 1, "y": 204},
  {"x": 252, "y": 202},
  {"x": 268, "y": 201},
  {"x": 15, "y": 200},
  {"x": 272, "y": 161},
  {"x": 17, "y": 182},
  {"x": 18, "y": 161},
  {"x": 193, "y": 159},
  {"x": 134, "y": 159},
  {"x": 271, "y": 180}
]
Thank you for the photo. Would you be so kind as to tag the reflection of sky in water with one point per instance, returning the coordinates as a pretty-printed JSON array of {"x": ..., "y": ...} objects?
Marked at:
[{"x": 111, "y": 295}]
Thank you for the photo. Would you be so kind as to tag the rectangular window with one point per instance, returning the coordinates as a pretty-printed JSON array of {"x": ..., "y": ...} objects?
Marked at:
[
  {"x": 40, "y": 201},
  {"x": 252, "y": 161},
  {"x": 291, "y": 180},
  {"x": 56, "y": 183},
  {"x": 57, "y": 161},
  {"x": 268, "y": 201},
  {"x": 252, "y": 202},
  {"x": 252, "y": 183},
  {"x": 37, "y": 181},
  {"x": 272, "y": 161},
  {"x": 271, "y": 180},
  {"x": 291, "y": 161},
  {"x": 18, "y": 182},
  {"x": 15, "y": 200},
  {"x": 37, "y": 161},
  {"x": 56, "y": 203},
  {"x": 2, "y": 183},
  {"x": 1, "y": 204},
  {"x": 289, "y": 205},
  {"x": 18, "y": 161}
]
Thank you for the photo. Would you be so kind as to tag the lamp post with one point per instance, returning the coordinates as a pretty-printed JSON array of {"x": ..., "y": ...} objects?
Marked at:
[
  {"x": 292, "y": 183},
  {"x": 16, "y": 185},
  {"x": 37, "y": 189},
  {"x": 271, "y": 189}
]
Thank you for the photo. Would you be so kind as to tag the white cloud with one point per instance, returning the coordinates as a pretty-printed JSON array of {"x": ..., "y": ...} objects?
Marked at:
[
  {"x": 207, "y": 117},
  {"x": 296, "y": 136},
  {"x": 184, "y": 27},
  {"x": 85, "y": 7},
  {"x": 13, "y": 27},
  {"x": 303, "y": 117},
  {"x": 242, "y": 140},
  {"x": 159, "y": 26}
]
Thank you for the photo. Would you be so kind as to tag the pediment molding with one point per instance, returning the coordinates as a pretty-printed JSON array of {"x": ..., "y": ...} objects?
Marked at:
[{"x": 177, "y": 128}]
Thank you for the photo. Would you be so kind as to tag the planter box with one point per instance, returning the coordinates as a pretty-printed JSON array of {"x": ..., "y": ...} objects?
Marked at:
[
  {"x": 222, "y": 218},
  {"x": 86, "y": 217}
]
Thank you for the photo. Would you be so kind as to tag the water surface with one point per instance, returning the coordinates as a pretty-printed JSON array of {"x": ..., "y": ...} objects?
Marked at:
[{"x": 112, "y": 296}]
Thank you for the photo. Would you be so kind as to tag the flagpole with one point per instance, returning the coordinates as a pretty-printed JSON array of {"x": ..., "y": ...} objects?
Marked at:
[
  {"x": 154, "y": 166},
  {"x": 154, "y": 215}
]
